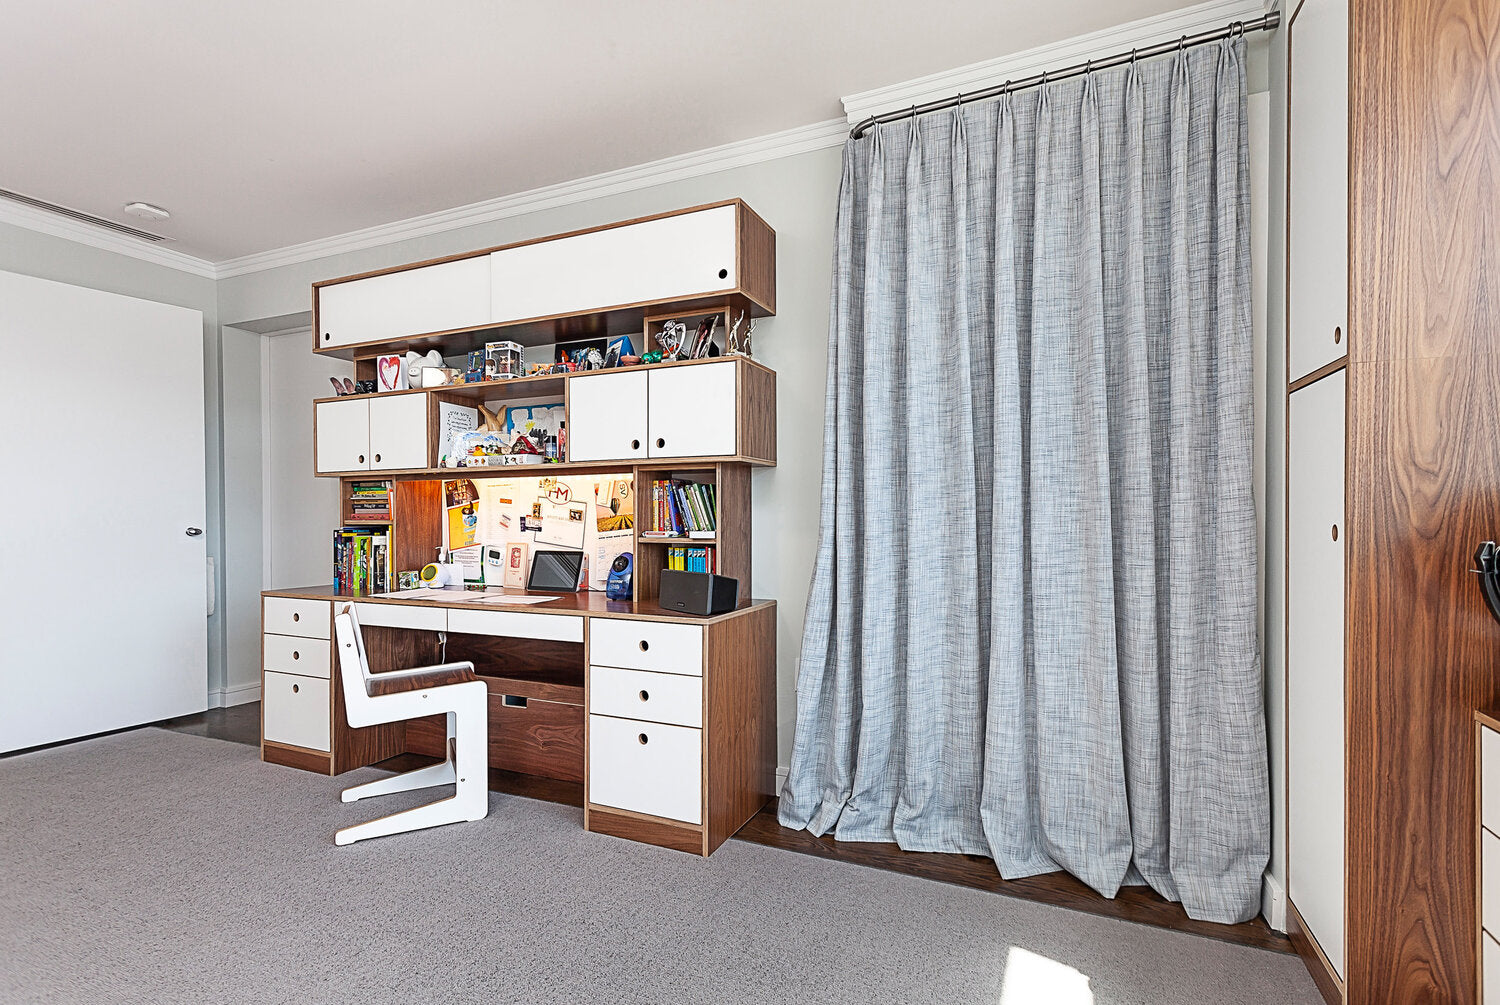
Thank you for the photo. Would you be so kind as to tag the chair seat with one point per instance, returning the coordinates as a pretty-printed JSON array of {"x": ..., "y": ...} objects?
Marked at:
[{"x": 382, "y": 684}]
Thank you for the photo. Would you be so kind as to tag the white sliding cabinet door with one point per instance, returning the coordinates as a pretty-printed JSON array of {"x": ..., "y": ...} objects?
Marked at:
[{"x": 103, "y": 597}]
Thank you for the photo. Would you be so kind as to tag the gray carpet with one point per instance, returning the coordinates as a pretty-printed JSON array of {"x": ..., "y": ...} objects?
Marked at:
[{"x": 157, "y": 867}]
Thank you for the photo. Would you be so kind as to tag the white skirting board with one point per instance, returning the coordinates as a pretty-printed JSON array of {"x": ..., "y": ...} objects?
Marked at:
[{"x": 224, "y": 697}]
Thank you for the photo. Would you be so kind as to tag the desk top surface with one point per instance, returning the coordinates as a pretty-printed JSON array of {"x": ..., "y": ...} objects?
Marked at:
[{"x": 590, "y": 603}]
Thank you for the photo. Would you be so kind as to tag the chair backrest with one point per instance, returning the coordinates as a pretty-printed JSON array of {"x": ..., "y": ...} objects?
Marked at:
[{"x": 354, "y": 668}]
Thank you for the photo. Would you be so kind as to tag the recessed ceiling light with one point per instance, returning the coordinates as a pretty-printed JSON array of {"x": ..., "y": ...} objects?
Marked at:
[{"x": 146, "y": 211}]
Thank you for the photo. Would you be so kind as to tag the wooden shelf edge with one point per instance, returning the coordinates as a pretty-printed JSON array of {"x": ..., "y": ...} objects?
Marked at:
[{"x": 538, "y": 470}]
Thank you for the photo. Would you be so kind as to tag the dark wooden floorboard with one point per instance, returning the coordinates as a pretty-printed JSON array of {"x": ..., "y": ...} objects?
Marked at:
[{"x": 241, "y": 724}]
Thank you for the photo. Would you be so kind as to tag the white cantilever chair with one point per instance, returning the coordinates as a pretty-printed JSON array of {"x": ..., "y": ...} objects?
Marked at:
[{"x": 451, "y": 688}]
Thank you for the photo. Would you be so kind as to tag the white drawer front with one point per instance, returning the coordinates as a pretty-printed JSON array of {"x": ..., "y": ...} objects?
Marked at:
[
  {"x": 517, "y": 625},
  {"x": 295, "y": 710},
  {"x": 285, "y": 616},
  {"x": 1490, "y": 993},
  {"x": 646, "y": 767},
  {"x": 1489, "y": 881},
  {"x": 1489, "y": 778},
  {"x": 290, "y": 654},
  {"x": 640, "y": 694},
  {"x": 424, "y": 616},
  {"x": 646, "y": 645}
]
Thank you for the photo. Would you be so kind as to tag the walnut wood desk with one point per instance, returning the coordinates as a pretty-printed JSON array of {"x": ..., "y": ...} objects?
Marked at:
[{"x": 668, "y": 720}]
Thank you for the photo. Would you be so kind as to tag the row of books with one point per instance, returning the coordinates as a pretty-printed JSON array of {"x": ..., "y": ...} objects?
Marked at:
[
  {"x": 370, "y": 502},
  {"x": 683, "y": 509},
  {"x": 692, "y": 559},
  {"x": 361, "y": 561}
]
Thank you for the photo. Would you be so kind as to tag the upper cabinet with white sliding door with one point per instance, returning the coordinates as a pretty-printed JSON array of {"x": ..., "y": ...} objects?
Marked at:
[
  {"x": 1318, "y": 190},
  {"x": 683, "y": 256},
  {"x": 396, "y": 305}
]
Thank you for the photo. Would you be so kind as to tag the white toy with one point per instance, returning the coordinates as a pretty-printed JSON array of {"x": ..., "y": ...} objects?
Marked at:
[{"x": 414, "y": 363}]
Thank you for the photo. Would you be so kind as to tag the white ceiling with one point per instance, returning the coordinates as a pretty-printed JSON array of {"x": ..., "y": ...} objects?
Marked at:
[{"x": 266, "y": 124}]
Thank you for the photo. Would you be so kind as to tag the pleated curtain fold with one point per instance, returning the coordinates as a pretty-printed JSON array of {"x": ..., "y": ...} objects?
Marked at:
[{"x": 1031, "y": 632}]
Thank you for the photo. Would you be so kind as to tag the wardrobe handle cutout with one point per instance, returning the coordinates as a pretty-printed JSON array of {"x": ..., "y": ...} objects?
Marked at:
[
  {"x": 723, "y": 273},
  {"x": 635, "y": 444},
  {"x": 1338, "y": 334},
  {"x": 1335, "y": 532},
  {"x": 660, "y": 442},
  {"x": 644, "y": 739},
  {"x": 377, "y": 458}
]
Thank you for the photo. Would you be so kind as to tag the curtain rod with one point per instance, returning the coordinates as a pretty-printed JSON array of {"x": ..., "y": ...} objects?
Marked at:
[{"x": 1265, "y": 23}]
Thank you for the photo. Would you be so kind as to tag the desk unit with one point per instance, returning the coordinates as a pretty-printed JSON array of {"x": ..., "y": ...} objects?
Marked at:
[{"x": 668, "y": 721}]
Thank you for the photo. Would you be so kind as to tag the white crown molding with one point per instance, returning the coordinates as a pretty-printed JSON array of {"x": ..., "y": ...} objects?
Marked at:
[
  {"x": 57, "y": 225},
  {"x": 818, "y": 136},
  {"x": 990, "y": 73}
]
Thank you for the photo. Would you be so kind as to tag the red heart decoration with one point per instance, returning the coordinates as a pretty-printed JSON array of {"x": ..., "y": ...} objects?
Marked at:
[{"x": 390, "y": 370}]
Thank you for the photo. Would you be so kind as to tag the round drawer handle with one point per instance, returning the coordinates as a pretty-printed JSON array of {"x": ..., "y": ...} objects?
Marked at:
[
  {"x": 1338, "y": 334},
  {"x": 723, "y": 273},
  {"x": 635, "y": 444},
  {"x": 1335, "y": 532},
  {"x": 296, "y": 616},
  {"x": 660, "y": 442},
  {"x": 296, "y": 688},
  {"x": 644, "y": 739},
  {"x": 645, "y": 696},
  {"x": 645, "y": 645},
  {"x": 296, "y": 655}
]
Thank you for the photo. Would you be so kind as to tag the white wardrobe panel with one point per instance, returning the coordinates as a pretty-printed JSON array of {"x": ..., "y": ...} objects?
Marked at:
[
  {"x": 1315, "y": 660},
  {"x": 674, "y": 257},
  {"x": 1318, "y": 196},
  {"x": 433, "y": 298}
]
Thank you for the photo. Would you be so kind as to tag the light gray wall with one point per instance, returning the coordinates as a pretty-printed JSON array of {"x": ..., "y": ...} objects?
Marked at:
[
  {"x": 796, "y": 195},
  {"x": 243, "y": 495},
  {"x": 47, "y": 257}
]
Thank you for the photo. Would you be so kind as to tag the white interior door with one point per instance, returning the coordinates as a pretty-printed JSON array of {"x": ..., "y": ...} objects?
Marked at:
[
  {"x": 1316, "y": 544},
  {"x": 104, "y": 595}
]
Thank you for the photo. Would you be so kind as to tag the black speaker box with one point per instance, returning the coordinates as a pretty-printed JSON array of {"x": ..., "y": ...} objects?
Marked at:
[{"x": 698, "y": 592}]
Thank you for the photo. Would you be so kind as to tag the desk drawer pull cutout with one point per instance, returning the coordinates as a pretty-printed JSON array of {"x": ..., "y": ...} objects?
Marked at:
[
  {"x": 644, "y": 739},
  {"x": 513, "y": 701},
  {"x": 296, "y": 655},
  {"x": 296, "y": 688},
  {"x": 645, "y": 696},
  {"x": 645, "y": 645},
  {"x": 296, "y": 616}
]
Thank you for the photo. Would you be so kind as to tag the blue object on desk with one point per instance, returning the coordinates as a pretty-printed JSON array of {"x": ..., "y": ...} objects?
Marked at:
[{"x": 620, "y": 570}]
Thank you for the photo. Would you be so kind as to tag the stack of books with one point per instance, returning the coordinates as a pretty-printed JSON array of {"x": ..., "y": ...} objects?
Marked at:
[
  {"x": 370, "y": 502},
  {"x": 682, "y": 509},
  {"x": 361, "y": 561},
  {"x": 692, "y": 559}
]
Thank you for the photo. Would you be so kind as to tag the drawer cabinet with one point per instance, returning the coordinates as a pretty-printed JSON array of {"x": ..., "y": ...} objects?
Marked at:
[
  {"x": 646, "y": 768},
  {"x": 371, "y": 434},
  {"x": 660, "y": 646},
  {"x": 423, "y": 618},
  {"x": 670, "y": 258},
  {"x": 433, "y": 298},
  {"x": 294, "y": 654},
  {"x": 516, "y": 624},
  {"x": 288, "y": 616},
  {"x": 653, "y": 697},
  {"x": 295, "y": 710}
]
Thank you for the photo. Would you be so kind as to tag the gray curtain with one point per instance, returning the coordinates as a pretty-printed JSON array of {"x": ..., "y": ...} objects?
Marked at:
[{"x": 1031, "y": 632}]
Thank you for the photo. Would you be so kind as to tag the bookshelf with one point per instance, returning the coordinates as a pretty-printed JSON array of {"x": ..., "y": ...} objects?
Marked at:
[{"x": 568, "y": 679}]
